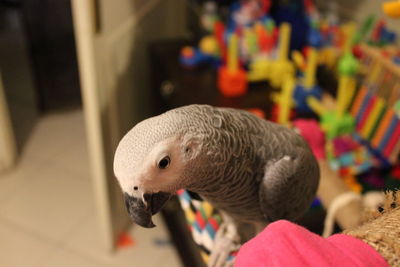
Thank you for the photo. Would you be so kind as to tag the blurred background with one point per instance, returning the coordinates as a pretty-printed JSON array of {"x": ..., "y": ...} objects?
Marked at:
[{"x": 75, "y": 76}]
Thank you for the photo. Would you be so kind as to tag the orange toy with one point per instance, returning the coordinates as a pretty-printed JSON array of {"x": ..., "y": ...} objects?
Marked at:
[
  {"x": 125, "y": 240},
  {"x": 392, "y": 8},
  {"x": 232, "y": 81}
]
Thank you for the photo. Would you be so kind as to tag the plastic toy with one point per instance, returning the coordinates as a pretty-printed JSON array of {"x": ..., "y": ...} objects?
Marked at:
[
  {"x": 219, "y": 29},
  {"x": 383, "y": 127},
  {"x": 361, "y": 125},
  {"x": 249, "y": 11},
  {"x": 381, "y": 36},
  {"x": 233, "y": 59},
  {"x": 362, "y": 92},
  {"x": 374, "y": 116},
  {"x": 310, "y": 73},
  {"x": 365, "y": 28},
  {"x": 367, "y": 110},
  {"x": 328, "y": 56},
  {"x": 308, "y": 88},
  {"x": 191, "y": 57},
  {"x": 301, "y": 95},
  {"x": 232, "y": 80},
  {"x": 393, "y": 141},
  {"x": 396, "y": 108},
  {"x": 316, "y": 106},
  {"x": 264, "y": 38},
  {"x": 395, "y": 96},
  {"x": 299, "y": 60},
  {"x": 209, "y": 45},
  {"x": 377, "y": 123},
  {"x": 352, "y": 183},
  {"x": 336, "y": 126},
  {"x": 259, "y": 70},
  {"x": 332, "y": 125},
  {"x": 347, "y": 87},
  {"x": 209, "y": 15},
  {"x": 348, "y": 67},
  {"x": 314, "y": 37},
  {"x": 285, "y": 101},
  {"x": 338, "y": 122},
  {"x": 392, "y": 8},
  {"x": 390, "y": 134},
  {"x": 260, "y": 42},
  {"x": 396, "y": 59},
  {"x": 282, "y": 67},
  {"x": 125, "y": 240}
]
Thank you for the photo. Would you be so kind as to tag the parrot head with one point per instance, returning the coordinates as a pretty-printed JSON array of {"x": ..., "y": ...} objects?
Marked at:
[{"x": 149, "y": 164}]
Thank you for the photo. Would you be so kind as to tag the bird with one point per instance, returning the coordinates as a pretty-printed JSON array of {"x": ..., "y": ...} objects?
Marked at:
[{"x": 253, "y": 171}]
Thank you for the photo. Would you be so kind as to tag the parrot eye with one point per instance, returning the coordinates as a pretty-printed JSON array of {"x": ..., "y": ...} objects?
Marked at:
[{"x": 164, "y": 162}]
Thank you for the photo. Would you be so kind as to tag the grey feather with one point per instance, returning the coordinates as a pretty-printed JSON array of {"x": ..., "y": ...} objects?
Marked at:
[{"x": 252, "y": 169}]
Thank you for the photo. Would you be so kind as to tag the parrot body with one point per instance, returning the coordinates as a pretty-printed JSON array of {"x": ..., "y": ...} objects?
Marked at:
[{"x": 250, "y": 169}]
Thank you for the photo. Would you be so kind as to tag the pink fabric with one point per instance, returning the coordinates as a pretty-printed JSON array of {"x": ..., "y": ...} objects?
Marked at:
[
  {"x": 313, "y": 135},
  {"x": 283, "y": 243}
]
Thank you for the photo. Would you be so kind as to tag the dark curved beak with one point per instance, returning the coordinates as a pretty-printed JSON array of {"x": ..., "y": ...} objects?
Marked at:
[{"x": 141, "y": 212}]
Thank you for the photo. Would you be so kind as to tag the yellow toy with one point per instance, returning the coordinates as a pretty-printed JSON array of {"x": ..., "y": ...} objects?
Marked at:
[
  {"x": 348, "y": 67},
  {"x": 392, "y": 9},
  {"x": 298, "y": 59},
  {"x": 328, "y": 56},
  {"x": 346, "y": 90},
  {"x": 282, "y": 67},
  {"x": 310, "y": 73},
  {"x": 260, "y": 67},
  {"x": 316, "y": 106},
  {"x": 259, "y": 70},
  {"x": 285, "y": 101},
  {"x": 209, "y": 45}
]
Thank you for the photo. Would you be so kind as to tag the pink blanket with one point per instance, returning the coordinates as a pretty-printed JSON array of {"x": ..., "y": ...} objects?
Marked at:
[{"x": 283, "y": 243}]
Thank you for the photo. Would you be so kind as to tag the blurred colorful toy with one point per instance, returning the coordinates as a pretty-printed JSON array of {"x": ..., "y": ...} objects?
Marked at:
[
  {"x": 392, "y": 8},
  {"x": 285, "y": 101},
  {"x": 249, "y": 11},
  {"x": 260, "y": 41},
  {"x": 219, "y": 31},
  {"x": 209, "y": 45},
  {"x": 209, "y": 15},
  {"x": 232, "y": 79},
  {"x": 282, "y": 67},
  {"x": 381, "y": 35},
  {"x": 347, "y": 68},
  {"x": 360, "y": 120},
  {"x": 308, "y": 88},
  {"x": 191, "y": 57}
]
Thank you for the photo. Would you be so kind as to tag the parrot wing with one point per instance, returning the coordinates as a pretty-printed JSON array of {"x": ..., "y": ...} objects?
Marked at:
[{"x": 289, "y": 186}]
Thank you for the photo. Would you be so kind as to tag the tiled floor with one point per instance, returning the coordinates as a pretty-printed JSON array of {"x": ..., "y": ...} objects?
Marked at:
[{"x": 47, "y": 216}]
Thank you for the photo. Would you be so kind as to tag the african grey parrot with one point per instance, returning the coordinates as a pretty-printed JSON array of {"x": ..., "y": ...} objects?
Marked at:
[{"x": 251, "y": 170}]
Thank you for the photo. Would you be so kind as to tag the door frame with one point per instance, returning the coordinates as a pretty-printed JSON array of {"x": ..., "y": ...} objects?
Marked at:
[
  {"x": 85, "y": 25},
  {"x": 8, "y": 147}
]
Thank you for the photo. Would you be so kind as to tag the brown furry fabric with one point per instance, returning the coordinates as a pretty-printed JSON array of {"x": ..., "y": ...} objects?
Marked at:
[{"x": 382, "y": 229}]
